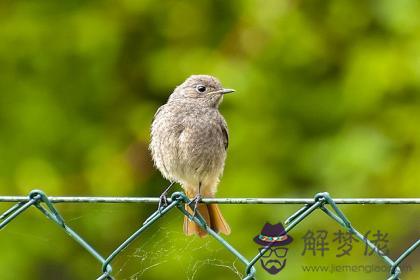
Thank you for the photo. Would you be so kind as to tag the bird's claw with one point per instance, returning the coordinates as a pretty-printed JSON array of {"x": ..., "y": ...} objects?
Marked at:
[
  {"x": 163, "y": 202},
  {"x": 163, "y": 199},
  {"x": 195, "y": 200}
]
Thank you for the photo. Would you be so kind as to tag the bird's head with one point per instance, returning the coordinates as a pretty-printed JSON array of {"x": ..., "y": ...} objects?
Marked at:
[{"x": 204, "y": 89}]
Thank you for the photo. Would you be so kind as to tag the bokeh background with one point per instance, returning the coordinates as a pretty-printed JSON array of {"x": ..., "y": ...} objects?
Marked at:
[{"x": 327, "y": 100}]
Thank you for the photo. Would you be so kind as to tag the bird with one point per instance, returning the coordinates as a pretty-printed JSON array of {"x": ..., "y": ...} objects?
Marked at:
[{"x": 189, "y": 139}]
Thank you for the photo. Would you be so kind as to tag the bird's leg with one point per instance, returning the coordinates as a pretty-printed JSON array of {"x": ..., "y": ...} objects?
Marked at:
[
  {"x": 163, "y": 200},
  {"x": 196, "y": 200}
]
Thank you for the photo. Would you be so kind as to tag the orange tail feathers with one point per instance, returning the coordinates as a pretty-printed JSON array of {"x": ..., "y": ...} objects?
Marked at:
[{"x": 213, "y": 217}]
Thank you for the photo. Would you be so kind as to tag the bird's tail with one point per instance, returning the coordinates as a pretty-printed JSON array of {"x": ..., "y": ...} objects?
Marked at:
[{"x": 213, "y": 217}]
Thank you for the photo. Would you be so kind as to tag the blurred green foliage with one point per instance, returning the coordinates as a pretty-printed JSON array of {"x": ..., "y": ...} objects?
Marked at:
[{"x": 327, "y": 100}]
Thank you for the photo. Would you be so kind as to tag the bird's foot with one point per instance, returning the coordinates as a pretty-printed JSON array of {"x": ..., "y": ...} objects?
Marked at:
[
  {"x": 195, "y": 200},
  {"x": 163, "y": 199}
]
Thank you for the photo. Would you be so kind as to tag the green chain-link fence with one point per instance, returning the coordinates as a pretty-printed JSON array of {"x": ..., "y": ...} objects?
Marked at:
[{"x": 321, "y": 200}]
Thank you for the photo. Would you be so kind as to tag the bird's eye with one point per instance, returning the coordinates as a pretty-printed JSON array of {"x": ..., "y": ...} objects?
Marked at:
[{"x": 201, "y": 88}]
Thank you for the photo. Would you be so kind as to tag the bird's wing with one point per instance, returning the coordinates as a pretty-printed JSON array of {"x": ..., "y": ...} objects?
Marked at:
[{"x": 225, "y": 133}]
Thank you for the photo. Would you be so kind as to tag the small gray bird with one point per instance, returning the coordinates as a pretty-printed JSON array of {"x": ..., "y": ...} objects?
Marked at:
[{"x": 189, "y": 142}]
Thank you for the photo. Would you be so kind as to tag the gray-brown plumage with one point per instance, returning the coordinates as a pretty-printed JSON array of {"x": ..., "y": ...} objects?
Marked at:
[{"x": 189, "y": 142}]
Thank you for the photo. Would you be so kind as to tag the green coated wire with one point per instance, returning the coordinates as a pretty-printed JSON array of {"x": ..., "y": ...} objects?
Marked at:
[
  {"x": 136, "y": 234},
  {"x": 178, "y": 199},
  {"x": 198, "y": 219}
]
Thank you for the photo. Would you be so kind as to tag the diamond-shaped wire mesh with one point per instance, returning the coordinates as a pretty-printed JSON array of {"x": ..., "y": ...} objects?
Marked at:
[{"x": 321, "y": 201}]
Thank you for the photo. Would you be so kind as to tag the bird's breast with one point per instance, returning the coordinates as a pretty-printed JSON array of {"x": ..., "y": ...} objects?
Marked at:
[{"x": 190, "y": 144}]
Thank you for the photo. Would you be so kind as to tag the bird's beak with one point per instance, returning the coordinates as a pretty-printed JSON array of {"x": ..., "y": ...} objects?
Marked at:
[{"x": 227, "y": 90}]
